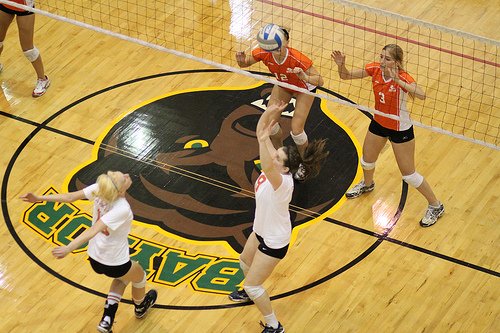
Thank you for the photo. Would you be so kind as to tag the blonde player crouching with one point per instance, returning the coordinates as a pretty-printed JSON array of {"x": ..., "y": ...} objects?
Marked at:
[
  {"x": 107, "y": 238},
  {"x": 268, "y": 243}
]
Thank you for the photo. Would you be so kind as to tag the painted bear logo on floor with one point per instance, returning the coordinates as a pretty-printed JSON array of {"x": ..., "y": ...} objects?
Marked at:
[{"x": 193, "y": 158}]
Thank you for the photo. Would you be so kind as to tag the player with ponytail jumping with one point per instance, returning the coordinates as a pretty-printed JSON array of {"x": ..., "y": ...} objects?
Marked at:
[
  {"x": 268, "y": 243},
  {"x": 290, "y": 66}
]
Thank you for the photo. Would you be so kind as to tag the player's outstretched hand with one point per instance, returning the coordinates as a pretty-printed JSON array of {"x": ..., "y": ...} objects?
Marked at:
[
  {"x": 338, "y": 57},
  {"x": 29, "y": 197},
  {"x": 241, "y": 57},
  {"x": 60, "y": 252}
]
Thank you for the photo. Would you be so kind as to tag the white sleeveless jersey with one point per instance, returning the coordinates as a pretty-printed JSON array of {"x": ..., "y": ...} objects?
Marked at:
[{"x": 272, "y": 218}]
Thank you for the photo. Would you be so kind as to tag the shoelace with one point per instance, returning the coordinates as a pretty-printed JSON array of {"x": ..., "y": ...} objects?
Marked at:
[
  {"x": 40, "y": 84},
  {"x": 359, "y": 186}
]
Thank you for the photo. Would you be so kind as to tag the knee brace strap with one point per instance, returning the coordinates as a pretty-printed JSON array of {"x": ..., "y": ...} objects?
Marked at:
[
  {"x": 300, "y": 138},
  {"x": 32, "y": 54},
  {"x": 140, "y": 284},
  {"x": 254, "y": 292},
  {"x": 367, "y": 166},
  {"x": 275, "y": 129},
  {"x": 415, "y": 179}
]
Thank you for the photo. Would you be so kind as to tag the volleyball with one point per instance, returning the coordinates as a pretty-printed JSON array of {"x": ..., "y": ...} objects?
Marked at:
[{"x": 271, "y": 37}]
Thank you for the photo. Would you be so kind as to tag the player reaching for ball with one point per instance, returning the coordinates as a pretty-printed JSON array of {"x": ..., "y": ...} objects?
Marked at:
[
  {"x": 290, "y": 66},
  {"x": 107, "y": 238},
  {"x": 391, "y": 86},
  {"x": 272, "y": 227}
]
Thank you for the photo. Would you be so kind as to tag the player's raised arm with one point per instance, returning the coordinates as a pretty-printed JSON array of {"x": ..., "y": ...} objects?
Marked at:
[{"x": 344, "y": 73}]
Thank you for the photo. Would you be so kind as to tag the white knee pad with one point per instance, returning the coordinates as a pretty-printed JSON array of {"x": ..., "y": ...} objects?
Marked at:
[
  {"x": 300, "y": 138},
  {"x": 32, "y": 54},
  {"x": 254, "y": 292},
  {"x": 367, "y": 166},
  {"x": 275, "y": 129},
  {"x": 415, "y": 179},
  {"x": 140, "y": 284}
]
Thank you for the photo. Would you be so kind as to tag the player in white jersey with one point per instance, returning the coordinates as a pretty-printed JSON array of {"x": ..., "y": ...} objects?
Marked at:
[
  {"x": 268, "y": 243},
  {"x": 107, "y": 239}
]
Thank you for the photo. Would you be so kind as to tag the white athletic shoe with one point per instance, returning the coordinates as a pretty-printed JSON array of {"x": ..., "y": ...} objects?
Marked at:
[
  {"x": 431, "y": 215},
  {"x": 41, "y": 87},
  {"x": 359, "y": 189}
]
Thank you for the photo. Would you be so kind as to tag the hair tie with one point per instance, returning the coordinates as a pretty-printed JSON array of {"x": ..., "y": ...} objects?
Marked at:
[{"x": 112, "y": 182}]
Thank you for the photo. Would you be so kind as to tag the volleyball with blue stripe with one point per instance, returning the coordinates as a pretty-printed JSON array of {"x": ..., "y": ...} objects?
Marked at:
[{"x": 271, "y": 37}]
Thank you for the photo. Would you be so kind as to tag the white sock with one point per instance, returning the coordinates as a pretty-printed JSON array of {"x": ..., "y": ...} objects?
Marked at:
[
  {"x": 138, "y": 302},
  {"x": 271, "y": 320},
  {"x": 113, "y": 298}
]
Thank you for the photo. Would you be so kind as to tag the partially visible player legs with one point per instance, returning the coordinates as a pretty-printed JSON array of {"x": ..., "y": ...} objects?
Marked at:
[
  {"x": 301, "y": 141},
  {"x": 405, "y": 156},
  {"x": 278, "y": 94},
  {"x": 246, "y": 258},
  {"x": 303, "y": 103},
  {"x": 5, "y": 21},
  {"x": 26, "y": 26},
  {"x": 1, "y": 48},
  {"x": 372, "y": 147},
  {"x": 262, "y": 266},
  {"x": 240, "y": 295},
  {"x": 142, "y": 301},
  {"x": 111, "y": 306}
]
